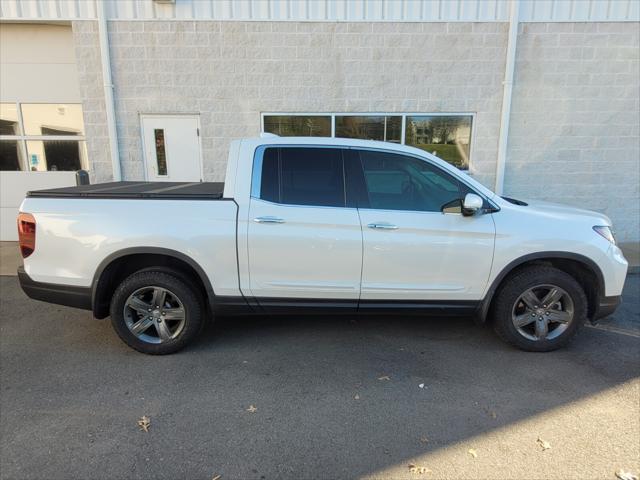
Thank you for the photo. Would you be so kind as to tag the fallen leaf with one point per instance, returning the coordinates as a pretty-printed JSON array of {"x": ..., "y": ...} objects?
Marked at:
[
  {"x": 217, "y": 477},
  {"x": 473, "y": 452},
  {"x": 544, "y": 444},
  {"x": 144, "y": 423},
  {"x": 252, "y": 409},
  {"x": 357, "y": 397},
  {"x": 418, "y": 469},
  {"x": 424, "y": 440},
  {"x": 622, "y": 475},
  {"x": 490, "y": 412},
  {"x": 384, "y": 377}
]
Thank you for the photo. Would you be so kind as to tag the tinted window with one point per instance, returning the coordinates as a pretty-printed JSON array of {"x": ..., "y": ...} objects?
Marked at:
[
  {"x": 398, "y": 182},
  {"x": 303, "y": 176},
  {"x": 269, "y": 183},
  {"x": 311, "y": 176}
]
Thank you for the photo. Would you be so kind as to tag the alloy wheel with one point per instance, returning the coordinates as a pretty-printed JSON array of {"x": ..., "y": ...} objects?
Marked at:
[
  {"x": 542, "y": 312},
  {"x": 154, "y": 314}
]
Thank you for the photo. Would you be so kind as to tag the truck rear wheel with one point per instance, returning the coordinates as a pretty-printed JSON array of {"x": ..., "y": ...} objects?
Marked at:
[
  {"x": 156, "y": 312},
  {"x": 539, "y": 309}
]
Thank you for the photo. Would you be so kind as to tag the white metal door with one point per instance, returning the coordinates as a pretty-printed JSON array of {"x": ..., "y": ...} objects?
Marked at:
[{"x": 172, "y": 148}]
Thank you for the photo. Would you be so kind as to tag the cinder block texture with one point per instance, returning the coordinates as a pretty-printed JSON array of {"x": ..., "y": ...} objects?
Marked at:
[
  {"x": 574, "y": 135},
  {"x": 231, "y": 72},
  {"x": 575, "y": 124}
]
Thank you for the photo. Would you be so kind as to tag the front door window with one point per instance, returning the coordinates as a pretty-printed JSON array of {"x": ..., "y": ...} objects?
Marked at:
[{"x": 400, "y": 182}]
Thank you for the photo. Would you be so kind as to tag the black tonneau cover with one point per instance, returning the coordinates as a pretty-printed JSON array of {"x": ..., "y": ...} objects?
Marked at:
[{"x": 152, "y": 190}]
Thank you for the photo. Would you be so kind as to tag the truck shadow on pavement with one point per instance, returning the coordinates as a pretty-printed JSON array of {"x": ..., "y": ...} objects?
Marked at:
[{"x": 276, "y": 397}]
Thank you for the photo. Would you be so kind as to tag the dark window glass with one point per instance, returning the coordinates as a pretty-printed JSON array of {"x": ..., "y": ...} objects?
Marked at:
[
  {"x": 161, "y": 156},
  {"x": 357, "y": 196},
  {"x": 56, "y": 155},
  {"x": 270, "y": 184},
  {"x": 399, "y": 182},
  {"x": 9, "y": 119},
  {"x": 9, "y": 155},
  {"x": 298, "y": 125},
  {"x": 57, "y": 131},
  {"x": 369, "y": 127},
  {"x": 445, "y": 136},
  {"x": 312, "y": 176},
  {"x": 8, "y": 127}
]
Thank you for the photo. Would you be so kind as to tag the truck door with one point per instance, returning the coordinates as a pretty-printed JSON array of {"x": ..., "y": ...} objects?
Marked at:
[
  {"x": 417, "y": 245},
  {"x": 304, "y": 244}
]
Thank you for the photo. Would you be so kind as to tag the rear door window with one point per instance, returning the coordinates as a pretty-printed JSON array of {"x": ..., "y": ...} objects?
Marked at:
[{"x": 303, "y": 176}]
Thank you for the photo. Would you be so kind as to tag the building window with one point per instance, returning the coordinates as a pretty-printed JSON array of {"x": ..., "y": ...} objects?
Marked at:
[
  {"x": 448, "y": 136},
  {"x": 383, "y": 128},
  {"x": 298, "y": 125},
  {"x": 42, "y": 137}
]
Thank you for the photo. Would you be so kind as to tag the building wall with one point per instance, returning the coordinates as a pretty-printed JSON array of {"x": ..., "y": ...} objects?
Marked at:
[
  {"x": 574, "y": 134},
  {"x": 230, "y": 72},
  {"x": 575, "y": 126}
]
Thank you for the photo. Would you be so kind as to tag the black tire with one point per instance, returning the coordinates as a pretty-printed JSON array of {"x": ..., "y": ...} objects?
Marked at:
[
  {"x": 504, "y": 306},
  {"x": 178, "y": 288}
]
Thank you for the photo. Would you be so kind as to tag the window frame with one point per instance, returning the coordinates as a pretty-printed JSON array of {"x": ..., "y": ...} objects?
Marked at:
[
  {"x": 22, "y": 138},
  {"x": 351, "y": 159},
  {"x": 403, "y": 127}
]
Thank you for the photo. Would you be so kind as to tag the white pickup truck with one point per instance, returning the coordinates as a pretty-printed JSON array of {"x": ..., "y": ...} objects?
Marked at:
[{"x": 318, "y": 225}]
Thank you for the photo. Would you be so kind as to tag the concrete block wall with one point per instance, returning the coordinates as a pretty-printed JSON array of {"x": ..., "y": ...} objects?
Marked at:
[
  {"x": 87, "y": 48},
  {"x": 231, "y": 72},
  {"x": 575, "y": 125},
  {"x": 574, "y": 134}
]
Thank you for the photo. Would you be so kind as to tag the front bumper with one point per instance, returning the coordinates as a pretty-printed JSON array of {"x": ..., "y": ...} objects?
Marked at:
[{"x": 68, "y": 295}]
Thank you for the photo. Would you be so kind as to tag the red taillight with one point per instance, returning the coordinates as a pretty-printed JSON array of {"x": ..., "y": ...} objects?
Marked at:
[{"x": 26, "y": 233}]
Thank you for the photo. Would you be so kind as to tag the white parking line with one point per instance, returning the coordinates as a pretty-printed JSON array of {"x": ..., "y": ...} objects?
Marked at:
[{"x": 621, "y": 331}]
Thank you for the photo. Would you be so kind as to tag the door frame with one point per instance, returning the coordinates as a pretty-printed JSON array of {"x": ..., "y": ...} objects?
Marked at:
[{"x": 144, "y": 116}]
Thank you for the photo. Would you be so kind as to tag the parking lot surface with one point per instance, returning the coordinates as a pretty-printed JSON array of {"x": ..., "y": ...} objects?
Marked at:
[{"x": 320, "y": 397}]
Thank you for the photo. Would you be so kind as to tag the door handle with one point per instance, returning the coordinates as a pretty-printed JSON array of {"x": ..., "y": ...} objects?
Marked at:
[
  {"x": 268, "y": 220},
  {"x": 383, "y": 226}
]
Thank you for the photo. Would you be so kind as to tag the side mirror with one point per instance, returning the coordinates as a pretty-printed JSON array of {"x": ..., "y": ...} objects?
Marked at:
[{"x": 471, "y": 204}]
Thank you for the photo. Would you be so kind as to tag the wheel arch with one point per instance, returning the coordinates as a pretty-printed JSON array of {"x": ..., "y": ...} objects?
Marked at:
[
  {"x": 118, "y": 265},
  {"x": 582, "y": 268}
]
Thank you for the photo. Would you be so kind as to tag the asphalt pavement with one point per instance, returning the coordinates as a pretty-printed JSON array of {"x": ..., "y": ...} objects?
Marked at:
[{"x": 319, "y": 397}]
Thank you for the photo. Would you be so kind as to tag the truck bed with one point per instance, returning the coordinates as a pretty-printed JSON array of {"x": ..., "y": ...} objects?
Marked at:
[{"x": 132, "y": 190}]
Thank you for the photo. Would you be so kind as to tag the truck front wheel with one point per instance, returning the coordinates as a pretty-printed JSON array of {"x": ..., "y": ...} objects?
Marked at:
[
  {"x": 156, "y": 312},
  {"x": 539, "y": 309}
]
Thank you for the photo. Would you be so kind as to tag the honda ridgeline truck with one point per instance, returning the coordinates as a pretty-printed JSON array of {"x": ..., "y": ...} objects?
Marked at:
[{"x": 318, "y": 225}]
